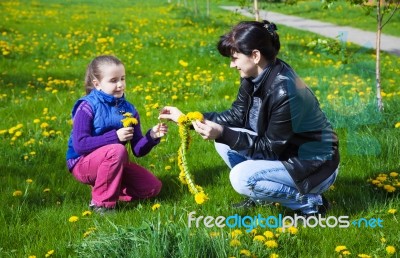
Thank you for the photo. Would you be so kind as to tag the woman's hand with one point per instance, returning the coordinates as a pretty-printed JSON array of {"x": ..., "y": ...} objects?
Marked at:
[
  {"x": 125, "y": 134},
  {"x": 207, "y": 129},
  {"x": 158, "y": 131},
  {"x": 170, "y": 113}
]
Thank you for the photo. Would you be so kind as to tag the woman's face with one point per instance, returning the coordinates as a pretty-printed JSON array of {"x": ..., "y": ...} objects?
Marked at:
[{"x": 246, "y": 65}]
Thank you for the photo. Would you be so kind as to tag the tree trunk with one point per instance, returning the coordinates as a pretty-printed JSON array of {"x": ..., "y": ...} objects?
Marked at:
[
  {"x": 378, "y": 56},
  {"x": 256, "y": 12}
]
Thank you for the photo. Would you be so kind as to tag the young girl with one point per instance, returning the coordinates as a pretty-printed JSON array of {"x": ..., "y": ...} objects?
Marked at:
[{"x": 96, "y": 149}]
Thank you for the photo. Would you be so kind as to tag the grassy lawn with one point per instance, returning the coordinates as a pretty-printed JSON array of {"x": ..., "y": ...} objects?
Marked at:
[
  {"x": 340, "y": 12},
  {"x": 44, "y": 49}
]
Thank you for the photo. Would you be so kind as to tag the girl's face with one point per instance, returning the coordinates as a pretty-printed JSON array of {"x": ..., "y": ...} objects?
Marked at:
[
  {"x": 113, "y": 81},
  {"x": 247, "y": 65}
]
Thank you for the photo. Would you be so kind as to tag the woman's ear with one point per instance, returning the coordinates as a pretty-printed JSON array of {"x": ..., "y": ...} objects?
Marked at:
[{"x": 256, "y": 56}]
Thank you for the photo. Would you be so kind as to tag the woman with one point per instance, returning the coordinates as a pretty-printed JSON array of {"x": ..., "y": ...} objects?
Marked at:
[{"x": 278, "y": 143}]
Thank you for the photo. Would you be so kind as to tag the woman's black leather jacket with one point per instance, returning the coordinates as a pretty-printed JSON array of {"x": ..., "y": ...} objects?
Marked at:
[{"x": 291, "y": 127}]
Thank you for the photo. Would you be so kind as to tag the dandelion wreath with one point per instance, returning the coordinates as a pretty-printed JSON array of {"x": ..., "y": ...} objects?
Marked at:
[{"x": 184, "y": 122}]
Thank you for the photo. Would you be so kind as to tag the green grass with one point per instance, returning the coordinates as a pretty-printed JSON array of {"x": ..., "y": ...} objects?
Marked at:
[
  {"x": 44, "y": 50},
  {"x": 340, "y": 12}
]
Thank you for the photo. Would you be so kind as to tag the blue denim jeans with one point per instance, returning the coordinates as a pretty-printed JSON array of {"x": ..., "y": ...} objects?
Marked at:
[{"x": 268, "y": 180}]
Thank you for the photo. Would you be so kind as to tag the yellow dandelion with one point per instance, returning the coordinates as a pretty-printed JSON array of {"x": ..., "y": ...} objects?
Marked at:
[
  {"x": 44, "y": 125},
  {"x": 271, "y": 244},
  {"x": 390, "y": 249},
  {"x": 389, "y": 188},
  {"x": 214, "y": 234},
  {"x": 49, "y": 253},
  {"x": 183, "y": 63},
  {"x": 86, "y": 213},
  {"x": 155, "y": 206},
  {"x": 340, "y": 248},
  {"x": 17, "y": 193},
  {"x": 259, "y": 238},
  {"x": 397, "y": 125},
  {"x": 269, "y": 234},
  {"x": 236, "y": 232},
  {"x": 245, "y": 252},
  {"x": 46, "y": 190},
  {"x": 200, "y": 197},
  {"x": 363, "y": 256},
  {"x": 129, "y": 121},
  {"x": 392, "y": 211},
  {"x": 393, "y": 174},
  {"x": 274, "y": 255},
  {"x": 32, "y": 256},
  {"x": 235, "y": 243},
  {"x": 346, "y": 252},
  {"x": 293, "y": 230},
  {"x": 73, "y": 219},
  {"x": 29, "y": 181}
]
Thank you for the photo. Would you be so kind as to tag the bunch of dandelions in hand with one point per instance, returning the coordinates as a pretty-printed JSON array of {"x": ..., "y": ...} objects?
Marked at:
[
  {"x": 129, "y": 120},
  {"x": 184, "y": 122}
]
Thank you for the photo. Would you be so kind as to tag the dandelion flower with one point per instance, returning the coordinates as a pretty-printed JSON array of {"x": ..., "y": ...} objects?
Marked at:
[
  {"x": 200, "y": 197},
  {"x": 86, "y": 213},
  {"x": 49, "y": 253},
  {"x": 235, "y": 242},
  {"x": 32, "y": 256},
  {"x": 363, "y": 256},
  {"x": 46, "y": 190},
  {"x": 390, "y": 249},
  {"x": 394, "y": 174},
  {"x": 29, "y": 181},
  {"x": 245, "y": 252},
  {"x": 183, "y": 63},
  {"x": 293, "y": 230},
  {"x": 340, "y": 248},
  {"x": 236, "y": 232},
  {"x": 259, "y": 238},
  {"x": 17, "y": 193},
  {"x": 397, "y": 125},
  {"x": 268, "y": 234},
  {"x": 274, "y": 255},
  {"x": 214, "y": 234},
  {"x": 271, "y": 244},
  {"x": 392, "y": 211},
  {"x": 129, "y": 120},
  {"x": 73, "y": 219},
  {"x": 346, "y": 252},
  {"x": 389, "y": 188},
  {"x": 155, "y": 206}
]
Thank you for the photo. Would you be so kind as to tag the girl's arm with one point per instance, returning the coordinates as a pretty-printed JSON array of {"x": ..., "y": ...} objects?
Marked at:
[
  {"x": 142, "y": 144},
  {"x": 83, "y": 141}
]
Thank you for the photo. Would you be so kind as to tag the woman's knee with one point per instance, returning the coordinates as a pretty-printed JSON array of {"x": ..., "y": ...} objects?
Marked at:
[{"x": 239, "y": 179}]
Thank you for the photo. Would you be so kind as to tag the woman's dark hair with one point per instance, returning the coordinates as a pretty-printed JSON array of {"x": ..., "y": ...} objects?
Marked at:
[
  {"x": 247, "y": 36},
  {"x": 93, "y": 71}
]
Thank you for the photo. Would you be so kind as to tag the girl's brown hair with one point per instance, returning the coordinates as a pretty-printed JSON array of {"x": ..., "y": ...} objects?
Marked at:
[{"x": 93, "y": 71}]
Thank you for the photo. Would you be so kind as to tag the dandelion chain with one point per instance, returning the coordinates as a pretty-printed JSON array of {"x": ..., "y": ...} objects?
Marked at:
[{"x": 185, "y": 177}]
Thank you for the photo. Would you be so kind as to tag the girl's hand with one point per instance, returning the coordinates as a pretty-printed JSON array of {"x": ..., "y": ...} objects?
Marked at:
[
  {"x": 207, "y": 129},
  {"x": 158, "y": 131},
  {"x": 170, "y": 113},
  {"x": 125, "y": 134}
]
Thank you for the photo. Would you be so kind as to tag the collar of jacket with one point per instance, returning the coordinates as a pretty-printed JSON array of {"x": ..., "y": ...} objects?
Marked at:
[
  {"x": 107, "y": 98},
  {"x": 262, "y": 77}
]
